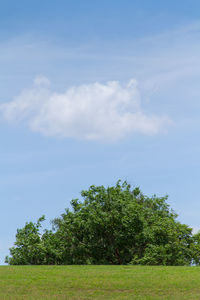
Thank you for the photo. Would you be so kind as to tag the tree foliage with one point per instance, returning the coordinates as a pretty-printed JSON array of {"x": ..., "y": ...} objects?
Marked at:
[{"x": 114, "y": 225}]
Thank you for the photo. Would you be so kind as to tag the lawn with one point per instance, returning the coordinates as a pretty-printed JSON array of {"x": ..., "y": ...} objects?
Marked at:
[{"x": 99, "y": 282}]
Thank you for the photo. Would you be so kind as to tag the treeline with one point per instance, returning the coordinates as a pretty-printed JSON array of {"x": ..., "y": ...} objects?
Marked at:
[{"x": 114, "y": 225}]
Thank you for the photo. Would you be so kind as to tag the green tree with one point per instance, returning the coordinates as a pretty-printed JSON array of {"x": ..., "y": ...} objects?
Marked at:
[
  {"x": 196, "y": 248},
  {"x": 119, "y": 225},
  {"x": 113, "y": 225},
  {"x": 32, "y": 247},
  {"x": 28, "y": 248}
]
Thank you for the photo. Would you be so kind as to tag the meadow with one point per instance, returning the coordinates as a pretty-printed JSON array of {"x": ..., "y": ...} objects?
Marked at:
[{"x": 99, "y": 282}]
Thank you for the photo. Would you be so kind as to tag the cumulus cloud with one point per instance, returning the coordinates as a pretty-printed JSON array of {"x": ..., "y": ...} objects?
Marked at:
[{"x": 91, "y": 112}]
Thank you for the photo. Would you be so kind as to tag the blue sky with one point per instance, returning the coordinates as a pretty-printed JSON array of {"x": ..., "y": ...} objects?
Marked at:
[{"x": 94, "y": 91}]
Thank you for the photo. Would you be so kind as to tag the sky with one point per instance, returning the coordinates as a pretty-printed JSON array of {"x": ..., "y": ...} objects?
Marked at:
[{"x": 92, "y": 92}]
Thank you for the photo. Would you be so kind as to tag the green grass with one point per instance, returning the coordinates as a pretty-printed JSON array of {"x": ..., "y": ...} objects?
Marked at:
[{"x": 99, "y": 282}]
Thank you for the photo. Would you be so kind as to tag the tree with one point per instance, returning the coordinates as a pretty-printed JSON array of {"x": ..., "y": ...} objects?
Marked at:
[
  {"x": 114, "y": 225},
  {"x": 32, "y": 247}
]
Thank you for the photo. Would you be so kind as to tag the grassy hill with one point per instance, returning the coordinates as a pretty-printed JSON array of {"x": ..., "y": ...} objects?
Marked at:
[{"x": 99, "y": 282}]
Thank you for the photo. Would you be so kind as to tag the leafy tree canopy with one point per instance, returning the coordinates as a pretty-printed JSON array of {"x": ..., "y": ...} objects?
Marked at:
[{"x": 113, "y": 225}]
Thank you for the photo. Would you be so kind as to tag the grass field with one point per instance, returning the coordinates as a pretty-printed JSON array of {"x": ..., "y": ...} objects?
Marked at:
[{"x": 99, "y": 282}]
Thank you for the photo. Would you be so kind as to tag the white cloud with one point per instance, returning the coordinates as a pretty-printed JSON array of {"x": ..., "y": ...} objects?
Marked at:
[{"x": 92, "y": 112}]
